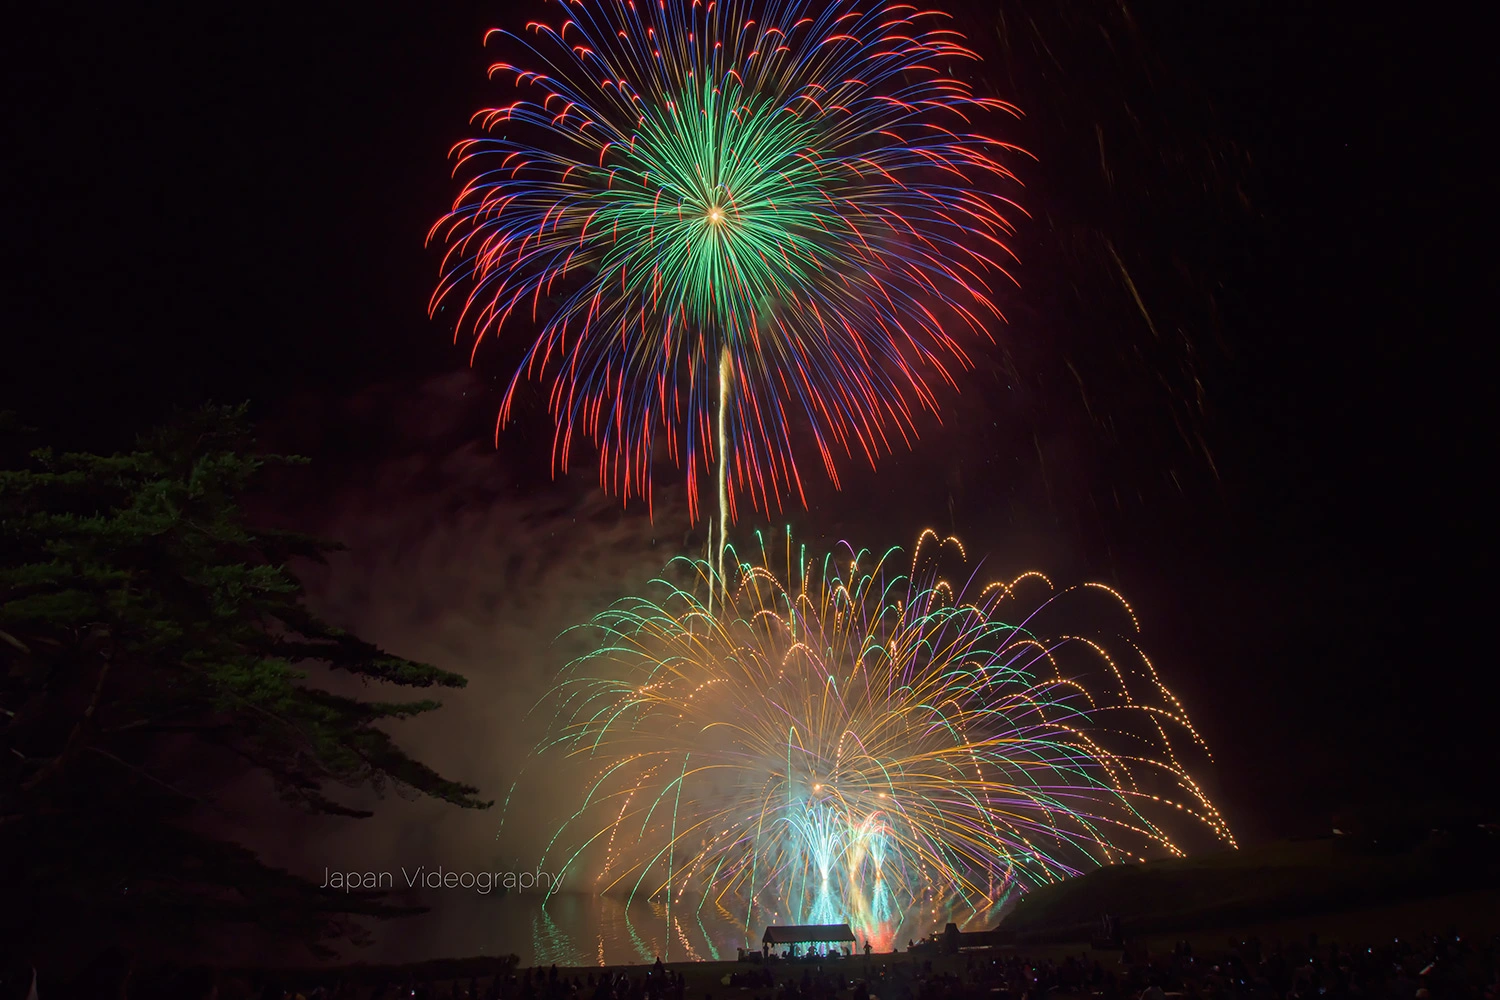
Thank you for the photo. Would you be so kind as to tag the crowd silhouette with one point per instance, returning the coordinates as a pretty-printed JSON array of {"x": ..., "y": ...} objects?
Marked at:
[{"x": 1444, "y": 967}]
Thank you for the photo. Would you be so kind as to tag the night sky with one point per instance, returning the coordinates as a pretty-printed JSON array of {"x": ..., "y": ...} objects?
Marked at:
[{"x": 1277, "y": 454}]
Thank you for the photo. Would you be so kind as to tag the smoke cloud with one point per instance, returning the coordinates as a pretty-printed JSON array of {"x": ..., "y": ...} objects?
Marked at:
[{"x": 456, "y": 557}]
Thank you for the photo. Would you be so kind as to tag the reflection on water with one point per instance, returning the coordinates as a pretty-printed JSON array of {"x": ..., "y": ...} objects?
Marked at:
[{"x": 577, "y": 929}]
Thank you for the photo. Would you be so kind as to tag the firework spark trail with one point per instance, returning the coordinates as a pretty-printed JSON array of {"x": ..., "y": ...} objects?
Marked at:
[
  {"x": 726, "y": 368},
  {"x": 856, "y": 738},
  {"x": 799, "y": 187}
]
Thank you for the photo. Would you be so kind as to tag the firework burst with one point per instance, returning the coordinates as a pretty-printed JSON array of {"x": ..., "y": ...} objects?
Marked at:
[
  {"x": 731, "y": 225},
  {"x": 856, "y": 738}
]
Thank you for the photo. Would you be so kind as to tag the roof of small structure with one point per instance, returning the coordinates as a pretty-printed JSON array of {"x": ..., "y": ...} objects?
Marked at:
[{"x": 808, "y": 934}]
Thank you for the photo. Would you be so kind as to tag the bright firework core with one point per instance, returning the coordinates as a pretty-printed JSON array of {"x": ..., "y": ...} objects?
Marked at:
[
  {"x": 852, "y": 738},
  {"x": 715, "y": 215}
]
